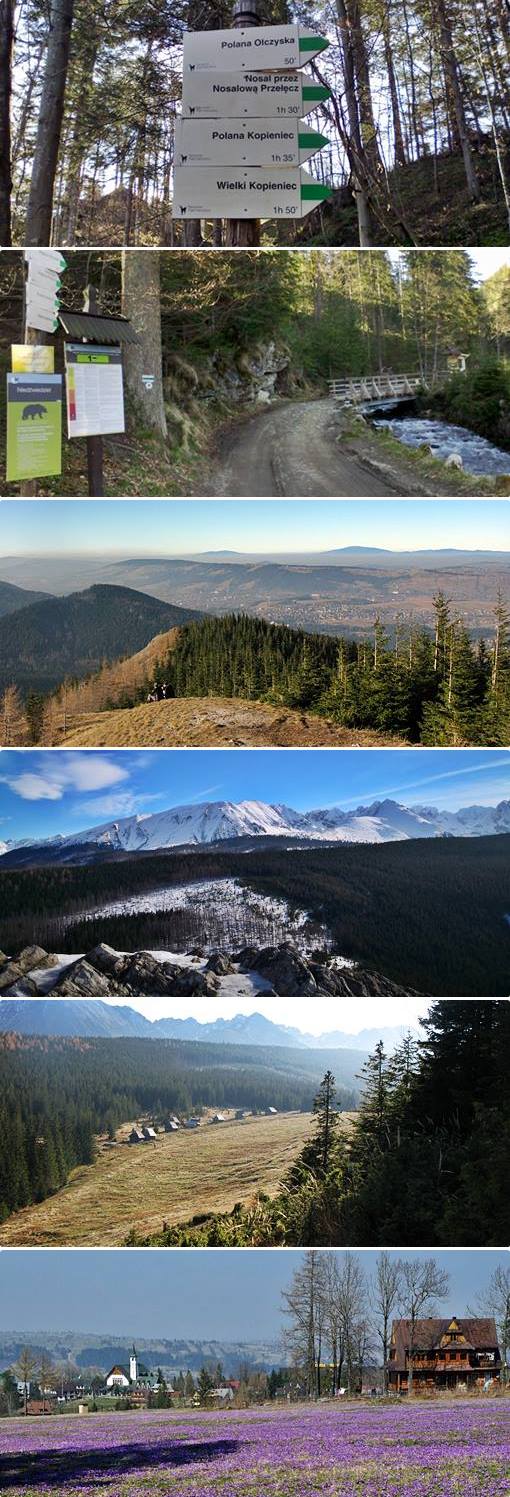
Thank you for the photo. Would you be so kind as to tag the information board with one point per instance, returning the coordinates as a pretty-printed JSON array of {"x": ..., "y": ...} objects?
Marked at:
[
  {"x": 32, "y": 358},
  {"x": 34, "y": 426},
  {"x": 95, "y": 392}
]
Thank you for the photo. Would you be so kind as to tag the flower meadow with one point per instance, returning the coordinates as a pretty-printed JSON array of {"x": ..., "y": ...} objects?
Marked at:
[{"x": 457, "y": 1449}]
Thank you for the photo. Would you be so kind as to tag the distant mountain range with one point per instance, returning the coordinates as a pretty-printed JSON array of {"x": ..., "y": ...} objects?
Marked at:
[
  {"x": 219, "y": 821},
  {"x": 13, "y": 598},
  {"x": 95, "y": 1019},
  {"x": 86, "y": 1349},
  {"x": 48, "y": 640}
]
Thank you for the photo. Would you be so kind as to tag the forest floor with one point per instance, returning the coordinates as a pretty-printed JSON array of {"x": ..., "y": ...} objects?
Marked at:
[
  {"x": 432, "y": 197},
  {"x": 206, "y": 722},
  {"x": 184, "y": 1174}
]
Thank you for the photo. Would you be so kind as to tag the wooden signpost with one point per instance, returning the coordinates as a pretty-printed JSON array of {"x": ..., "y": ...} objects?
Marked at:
[{"x": 249, "y": 73}]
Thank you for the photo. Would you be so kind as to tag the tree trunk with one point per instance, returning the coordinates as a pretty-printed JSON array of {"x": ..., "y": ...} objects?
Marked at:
[
  {"x": 40, "y": 202},
  {"x": 141, "y": 302},
  {"x": 455, "y": 97},
  {"x": 400, "y": 153},
  {"x": 6, "y": 42}
]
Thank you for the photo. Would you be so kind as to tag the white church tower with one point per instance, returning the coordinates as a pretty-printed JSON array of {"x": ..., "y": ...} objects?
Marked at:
[{"x": 133, "y": 1366}]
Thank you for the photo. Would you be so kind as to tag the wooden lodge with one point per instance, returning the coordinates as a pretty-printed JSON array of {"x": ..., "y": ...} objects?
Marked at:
[{"x": 445, "y": 1354}]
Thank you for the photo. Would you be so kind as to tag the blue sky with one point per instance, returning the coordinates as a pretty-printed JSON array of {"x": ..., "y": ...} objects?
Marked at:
[
  {"x": 172, "y": 527},
  {"x": 42, "y": 793},
  {"x": 234, "y": 1295}
]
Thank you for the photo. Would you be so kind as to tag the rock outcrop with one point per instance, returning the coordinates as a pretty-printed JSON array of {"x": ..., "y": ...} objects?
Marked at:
[{"x": 104, "y": 972}]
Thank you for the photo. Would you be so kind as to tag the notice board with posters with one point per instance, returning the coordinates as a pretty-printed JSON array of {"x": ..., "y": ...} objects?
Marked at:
[
  {"x": 34, "y": 426},
  {"x": 95, "y": 391}
]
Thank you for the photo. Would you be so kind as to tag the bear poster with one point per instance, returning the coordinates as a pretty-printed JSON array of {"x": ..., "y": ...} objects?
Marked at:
[{"x": 34, "y": 425}]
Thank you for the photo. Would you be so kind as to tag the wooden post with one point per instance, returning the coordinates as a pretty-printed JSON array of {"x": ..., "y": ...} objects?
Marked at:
[
  {"x": 245, "y": 231},
  {"x": 94, "y": 444}
]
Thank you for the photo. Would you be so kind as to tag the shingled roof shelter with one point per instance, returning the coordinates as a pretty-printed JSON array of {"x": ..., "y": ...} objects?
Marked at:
[
  {"x": 96, "y": 328},
  {"x": 444, "y": 1354}
]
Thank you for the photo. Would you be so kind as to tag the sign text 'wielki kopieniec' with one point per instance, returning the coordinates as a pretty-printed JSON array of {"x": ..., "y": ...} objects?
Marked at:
[{"x": 241, "y": 141}]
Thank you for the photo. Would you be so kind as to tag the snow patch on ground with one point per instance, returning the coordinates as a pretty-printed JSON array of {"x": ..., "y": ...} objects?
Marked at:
[{"x": 238, "y": 915}]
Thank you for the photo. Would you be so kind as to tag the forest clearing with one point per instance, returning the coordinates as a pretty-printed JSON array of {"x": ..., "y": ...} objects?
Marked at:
[
  {"x": 448, "y": 1447},
  {"x": 183, "y": 1175}
]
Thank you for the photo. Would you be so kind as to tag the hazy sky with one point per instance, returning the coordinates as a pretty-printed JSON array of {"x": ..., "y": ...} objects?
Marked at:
[
  {"x": 323, "y": 1015},
  {"x": 173, "y": 527},
  {"x": 229, "y": 1294},
  {"x": 42, "y": 793}
]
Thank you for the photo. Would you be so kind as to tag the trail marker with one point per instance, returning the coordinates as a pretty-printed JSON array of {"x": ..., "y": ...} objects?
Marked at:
[
  {"x": 250, "y": 95},
  {"x": 248, "y": 47},
  {"x": 202, "y": 192},
  {"x": 225, "y": 142}
]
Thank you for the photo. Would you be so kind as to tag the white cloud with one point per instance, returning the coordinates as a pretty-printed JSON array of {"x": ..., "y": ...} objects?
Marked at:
[
  {"x": 35, "y": 787},
  {"x": 57, "y": 773}
]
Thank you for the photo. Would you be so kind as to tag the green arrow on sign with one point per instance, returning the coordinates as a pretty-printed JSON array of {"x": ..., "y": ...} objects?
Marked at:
[
  {"x": 316, "y": 91},
  {"x": 312, "y": 138},
  {"x": 313, "y": 44},
  {"x": 316, "y": 191}
]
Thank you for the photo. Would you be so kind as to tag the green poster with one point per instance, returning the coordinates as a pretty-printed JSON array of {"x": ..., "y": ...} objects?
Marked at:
[{"x": 34, "y": 425}]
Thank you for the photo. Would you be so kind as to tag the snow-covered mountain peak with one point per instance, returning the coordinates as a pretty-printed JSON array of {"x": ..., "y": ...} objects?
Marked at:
[{"x": 217, "y": 821}]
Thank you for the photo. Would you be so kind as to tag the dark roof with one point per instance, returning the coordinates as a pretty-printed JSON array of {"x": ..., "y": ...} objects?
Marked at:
[
  {"x": 97, "y": 329},
  {"x": 479, "y": 1335}
]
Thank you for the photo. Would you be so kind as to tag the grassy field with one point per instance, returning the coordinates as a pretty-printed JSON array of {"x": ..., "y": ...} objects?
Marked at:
[
  {"x": 182, "y": 1175},
  {"x": 435, "y": 1449},
  {"x": 210, "y": 721}
]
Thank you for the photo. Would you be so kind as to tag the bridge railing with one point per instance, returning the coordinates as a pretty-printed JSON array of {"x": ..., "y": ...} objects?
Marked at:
[{"x": 376, "y": 387}]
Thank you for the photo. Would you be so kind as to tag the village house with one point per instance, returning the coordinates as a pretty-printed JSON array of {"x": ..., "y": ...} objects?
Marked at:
[
  {"x": 136, "y": 1136},
  {"x": 149, "y": 1134},
  {"x": 271, "y": 1112},
  {"x": 172, "y": 1126},
  {"x": 192, "y": 1123},
  {"x": 445, "y": 1354},
  {"x": 218, "y": 1118},
  {"x": 241, "y": 1113}
]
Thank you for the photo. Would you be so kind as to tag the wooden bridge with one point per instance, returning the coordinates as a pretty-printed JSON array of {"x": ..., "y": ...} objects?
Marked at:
[{"x": 375, "y": 387}]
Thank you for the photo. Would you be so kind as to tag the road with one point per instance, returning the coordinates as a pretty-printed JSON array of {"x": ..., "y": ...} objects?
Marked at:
[{"x": 290, "y": 451}]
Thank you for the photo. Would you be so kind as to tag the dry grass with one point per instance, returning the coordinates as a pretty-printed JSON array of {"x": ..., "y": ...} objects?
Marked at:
[
  {"x": 210, "y": 721},
  {"x": 182, "y": 1175}
]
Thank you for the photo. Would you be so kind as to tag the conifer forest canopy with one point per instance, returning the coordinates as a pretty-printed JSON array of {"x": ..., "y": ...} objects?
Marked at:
[{"x": 417, "y": 121}]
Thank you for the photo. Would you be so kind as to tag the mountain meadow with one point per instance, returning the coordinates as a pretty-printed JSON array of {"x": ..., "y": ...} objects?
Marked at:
[
  {"x": 436, "y": 685},
  {"x": 430, "y": 1123}
]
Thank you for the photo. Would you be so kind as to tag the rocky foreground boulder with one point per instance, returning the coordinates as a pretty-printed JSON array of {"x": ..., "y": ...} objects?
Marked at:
[{"x": 103, "y": 972}]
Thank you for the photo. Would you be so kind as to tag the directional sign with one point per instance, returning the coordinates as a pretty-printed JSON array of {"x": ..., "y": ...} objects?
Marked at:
[
  {"x": 245, "y": 143},
  {"x": 250, "y": 47},
  {"x": 203, "y": 192},
  {"x": 42, "y": 289},
  {"x": 52, "y": 259},
  {"x": 250, "y": 95}
]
